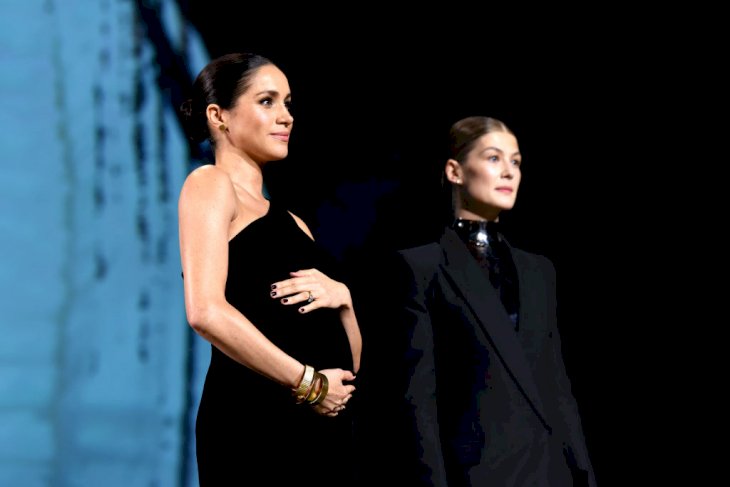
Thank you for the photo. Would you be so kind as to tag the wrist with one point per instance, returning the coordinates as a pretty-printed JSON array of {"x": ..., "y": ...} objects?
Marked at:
[
  {"x": 304, "y": 386},
  {"x": 345, "y": 298}
]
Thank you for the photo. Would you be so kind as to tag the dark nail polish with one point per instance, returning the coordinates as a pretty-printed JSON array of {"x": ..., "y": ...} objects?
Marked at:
[
  {"x": 301, "y": 310},
  {"x": 285, "y": 300},
  {"x": 273, "y": 293},
  {"x": 273, "y": 286}
]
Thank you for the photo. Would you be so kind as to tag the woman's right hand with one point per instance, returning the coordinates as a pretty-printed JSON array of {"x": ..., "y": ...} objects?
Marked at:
[{"x": 338, "y": 393}]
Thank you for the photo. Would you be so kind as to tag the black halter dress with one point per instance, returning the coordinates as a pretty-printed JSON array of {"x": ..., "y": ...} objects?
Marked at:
[{"x": 249, "y": 430}]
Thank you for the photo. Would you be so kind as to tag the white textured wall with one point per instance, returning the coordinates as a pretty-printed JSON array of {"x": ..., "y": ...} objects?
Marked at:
[{"x": 94, "y": 339}]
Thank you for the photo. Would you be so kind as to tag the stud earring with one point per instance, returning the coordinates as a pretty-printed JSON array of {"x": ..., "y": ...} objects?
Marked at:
[
  {"x": 222, "y": 127},
  {"x": 458, "y": 181}
]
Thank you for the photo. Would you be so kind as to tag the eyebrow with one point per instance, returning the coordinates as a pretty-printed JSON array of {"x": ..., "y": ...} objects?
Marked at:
[
  {"x": 498, "y": 150},
  {"x": 271, "y": 93}
]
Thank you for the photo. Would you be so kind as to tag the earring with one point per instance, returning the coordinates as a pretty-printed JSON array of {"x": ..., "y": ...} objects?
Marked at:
[
  {"x": 458, "y": 181},
  {"x": 222, "y": 127}
]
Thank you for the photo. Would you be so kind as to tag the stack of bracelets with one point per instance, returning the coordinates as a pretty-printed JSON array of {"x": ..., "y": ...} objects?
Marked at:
[{"x": 313, "y": 387}]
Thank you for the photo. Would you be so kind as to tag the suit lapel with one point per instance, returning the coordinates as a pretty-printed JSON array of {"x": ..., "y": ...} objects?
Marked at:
[{"x": 468, "y": 279}]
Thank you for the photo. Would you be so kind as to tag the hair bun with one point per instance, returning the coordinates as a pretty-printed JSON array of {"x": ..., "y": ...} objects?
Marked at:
[{"x": 186, "y": 108}]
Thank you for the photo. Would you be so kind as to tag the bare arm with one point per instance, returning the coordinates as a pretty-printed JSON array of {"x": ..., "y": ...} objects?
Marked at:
[
  {"x": 207, "y": 206},
  {"x": 349, "y": 322}
]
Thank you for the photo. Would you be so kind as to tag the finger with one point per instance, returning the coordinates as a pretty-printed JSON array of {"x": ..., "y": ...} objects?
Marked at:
[
  {"x": 347, "y": 375},
  {"x": 285, "y": 288},
  {"x": 281, "y": 289},
  {"x": 281, "y": 284},
  {"x": 303, "y": 272},
  {"x": 291, "y": 286},
  {"x": 309, "y": 307},
  {"x": 302, "y": 297},
  {"x": 292, "y": 299},
  {"x": 289, "y": 289},
  {"x": 309, "y": 302}
]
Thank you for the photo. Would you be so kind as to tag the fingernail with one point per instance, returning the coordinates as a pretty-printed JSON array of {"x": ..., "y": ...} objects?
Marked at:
[
  {"x": 273, "y": 286},
  {"x": 301, "y": 310},
  {"x": 285, "y": 300},
  {"x": 273, "y": 293}
]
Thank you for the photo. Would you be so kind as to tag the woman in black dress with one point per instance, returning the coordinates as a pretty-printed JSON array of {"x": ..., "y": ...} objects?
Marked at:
[{"x": 285, "y": 339}]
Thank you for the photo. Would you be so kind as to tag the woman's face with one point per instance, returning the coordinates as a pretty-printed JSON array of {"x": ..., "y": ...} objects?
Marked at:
[
  {"x": 259, "y": 123},
  {"x": 490, "y": 176}
]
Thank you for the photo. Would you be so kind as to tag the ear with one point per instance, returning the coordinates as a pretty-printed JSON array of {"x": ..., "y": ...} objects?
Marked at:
[
  {"x": 453, "y": 171},
  {"x": 215, "y": 114}
]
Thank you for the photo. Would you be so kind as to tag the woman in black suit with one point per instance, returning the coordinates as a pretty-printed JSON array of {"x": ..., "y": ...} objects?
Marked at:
[{"x": 473, "y": 361}]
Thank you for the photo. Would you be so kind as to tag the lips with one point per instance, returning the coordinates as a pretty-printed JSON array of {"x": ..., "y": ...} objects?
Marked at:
[
  {"x": 504, "y": 189},
  {"x": 283, "y": 136}
]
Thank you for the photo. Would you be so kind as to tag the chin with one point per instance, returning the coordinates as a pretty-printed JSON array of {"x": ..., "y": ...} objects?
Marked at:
[
  {"x": 278, "y": 155},
  {"x": 502, "y": 205},
  {"x": 509, "y": 203}
]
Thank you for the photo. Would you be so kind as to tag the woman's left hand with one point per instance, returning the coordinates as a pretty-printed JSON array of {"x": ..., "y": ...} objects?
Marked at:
[{"x": 311, "y": 289}]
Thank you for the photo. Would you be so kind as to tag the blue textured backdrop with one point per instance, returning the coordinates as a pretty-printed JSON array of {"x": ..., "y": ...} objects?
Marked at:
[{"x": 96, "y": 383}]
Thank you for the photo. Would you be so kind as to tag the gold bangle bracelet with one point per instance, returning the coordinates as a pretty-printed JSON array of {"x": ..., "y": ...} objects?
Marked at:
[
  {"x": 322, "y": 391},
  {"x": 308, "y": 393},
  {"x": 307, "y": 379},
  {"x": 314, "y": 391}
]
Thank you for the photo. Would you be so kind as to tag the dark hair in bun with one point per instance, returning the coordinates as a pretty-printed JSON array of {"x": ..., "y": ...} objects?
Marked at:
[{"x": 222, "y": 81}]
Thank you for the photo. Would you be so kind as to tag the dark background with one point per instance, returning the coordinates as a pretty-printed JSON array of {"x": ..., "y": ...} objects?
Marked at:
[{"x": 597, "y": 102}]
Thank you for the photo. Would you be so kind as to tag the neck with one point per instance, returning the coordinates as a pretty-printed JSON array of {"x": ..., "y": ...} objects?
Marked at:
[
  {"x": 245, "y": 175},
  {"x": 469, "y": 214}
]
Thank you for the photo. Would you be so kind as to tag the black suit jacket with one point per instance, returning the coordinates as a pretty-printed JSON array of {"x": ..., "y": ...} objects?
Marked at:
[{"x": 460, "y": 396}]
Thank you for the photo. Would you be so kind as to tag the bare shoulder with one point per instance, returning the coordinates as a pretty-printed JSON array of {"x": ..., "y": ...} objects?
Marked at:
[
  {"x": 302, "y": 225},
  {"x": 208, "y": 176},
  {"x": 207, "y": 183}
]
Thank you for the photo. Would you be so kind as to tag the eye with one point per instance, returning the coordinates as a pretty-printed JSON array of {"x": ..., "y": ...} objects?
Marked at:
[
  {"x": 493, "y": 158},
  {"x": 267, "y": 102},
  {"x": 288, "y": 105},
  {"x": 516, "y": 162}
]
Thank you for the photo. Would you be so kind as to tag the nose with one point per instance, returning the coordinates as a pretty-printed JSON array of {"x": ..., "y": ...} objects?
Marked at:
[
  {"x": 285, "y": 117},
  {"x": 508, "y": 170}
]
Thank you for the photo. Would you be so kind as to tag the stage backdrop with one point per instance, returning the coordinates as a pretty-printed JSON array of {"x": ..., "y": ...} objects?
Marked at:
[{"x": 99, "y": 372}]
